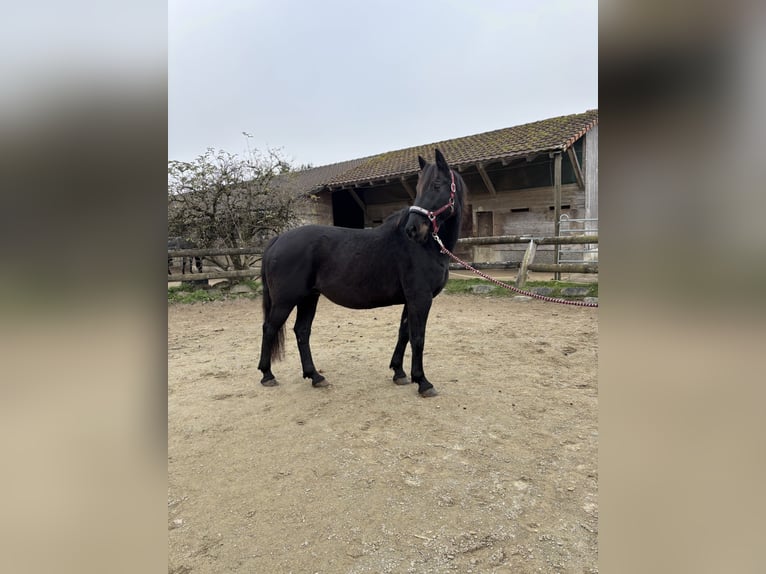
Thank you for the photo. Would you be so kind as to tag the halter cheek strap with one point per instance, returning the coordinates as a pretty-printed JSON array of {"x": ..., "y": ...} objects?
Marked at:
[{"x": 431, "y": 215}]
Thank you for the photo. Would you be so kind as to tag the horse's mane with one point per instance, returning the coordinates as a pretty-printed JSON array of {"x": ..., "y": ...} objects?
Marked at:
[{"x": 396, "y": 218}]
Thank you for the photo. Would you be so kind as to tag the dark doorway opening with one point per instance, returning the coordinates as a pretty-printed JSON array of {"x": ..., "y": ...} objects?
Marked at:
[{"x": 345, "y": 211}]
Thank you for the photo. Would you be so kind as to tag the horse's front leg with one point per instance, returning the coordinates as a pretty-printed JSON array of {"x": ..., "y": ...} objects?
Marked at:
[
  {"x": 417, "y": 318},
  {"x": 397, "y": 360}
]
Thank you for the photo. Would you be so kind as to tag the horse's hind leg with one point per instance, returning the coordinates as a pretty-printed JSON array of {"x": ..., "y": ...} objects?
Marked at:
[
  {"x": 397, "y": 360},
  {"x": 305, "y": 316},
  {"x": 272, "y": 327}
]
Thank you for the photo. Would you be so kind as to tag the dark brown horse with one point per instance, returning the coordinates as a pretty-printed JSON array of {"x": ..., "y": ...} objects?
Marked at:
[
  {"x": 181, "y": 243},
  {"x": 398, "y": 262}
]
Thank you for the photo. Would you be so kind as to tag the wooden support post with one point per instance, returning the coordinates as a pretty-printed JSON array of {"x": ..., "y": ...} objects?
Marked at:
[
  {"x": 529, "y": 256},
  {"x": 556, "y": 206}
]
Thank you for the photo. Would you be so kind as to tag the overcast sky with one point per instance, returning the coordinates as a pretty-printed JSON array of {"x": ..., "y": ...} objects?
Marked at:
[{"x": 333, "y": 80}]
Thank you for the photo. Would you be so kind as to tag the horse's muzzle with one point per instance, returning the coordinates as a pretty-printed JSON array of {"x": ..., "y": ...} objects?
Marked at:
[{"x": 417, "y": 227}]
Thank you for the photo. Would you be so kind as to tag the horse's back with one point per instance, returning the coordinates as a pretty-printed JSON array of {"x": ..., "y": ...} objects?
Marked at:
[
  {"x": 288, "y": 258},
  {"x": 352, "y": 267}
]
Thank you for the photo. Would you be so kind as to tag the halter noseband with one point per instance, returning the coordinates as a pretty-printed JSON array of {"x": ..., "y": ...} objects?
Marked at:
[{"x": 431, "y": 215}]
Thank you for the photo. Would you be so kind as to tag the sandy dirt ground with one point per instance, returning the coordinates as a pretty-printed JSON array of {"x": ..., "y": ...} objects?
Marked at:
[{"x": 498, "y": 473}]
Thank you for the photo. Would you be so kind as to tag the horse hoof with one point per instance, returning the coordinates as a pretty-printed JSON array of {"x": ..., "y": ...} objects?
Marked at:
[
  {"x": 401, "y": 381},
  {"x": 269, "y": 383},
  {"x": 429, "y": 393},
  {"x": 320, "y": 384}
]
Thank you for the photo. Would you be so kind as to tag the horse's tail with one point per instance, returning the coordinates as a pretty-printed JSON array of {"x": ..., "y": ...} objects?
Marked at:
[{"x": 278, "y": 347}]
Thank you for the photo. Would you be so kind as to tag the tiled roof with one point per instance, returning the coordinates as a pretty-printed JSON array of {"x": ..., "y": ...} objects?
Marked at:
[
  {"x": 552, "y": 134},
  {"x": 307, "y": 180}
]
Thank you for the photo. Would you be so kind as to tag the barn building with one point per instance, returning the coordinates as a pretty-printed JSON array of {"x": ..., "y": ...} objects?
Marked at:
[{"x": 520, "y": 181}]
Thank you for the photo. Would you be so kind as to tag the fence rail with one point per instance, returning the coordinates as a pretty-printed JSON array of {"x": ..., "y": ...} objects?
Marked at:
[
  {"x": 209, "y": 252},
  {"x": 537, "y": 267},
  {"x": 233, "y": 274},
  {"x": 212, "y": 252},
  {"x": 496, "y": 240},
  {"x": 505, "y": 239},
  {"x": 527, "y": 263}
]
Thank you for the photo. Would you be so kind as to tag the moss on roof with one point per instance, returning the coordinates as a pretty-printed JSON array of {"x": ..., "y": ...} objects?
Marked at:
[{"x": 553, "y": 134}]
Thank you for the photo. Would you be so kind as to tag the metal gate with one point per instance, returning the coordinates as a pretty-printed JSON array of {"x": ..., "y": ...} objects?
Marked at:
[{"x": 584, "y": 253}]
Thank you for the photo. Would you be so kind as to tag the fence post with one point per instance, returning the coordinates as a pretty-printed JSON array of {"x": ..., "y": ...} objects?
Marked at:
[
  {"x": 557, "y": 207},
  {"x": 529, "y": 256}
]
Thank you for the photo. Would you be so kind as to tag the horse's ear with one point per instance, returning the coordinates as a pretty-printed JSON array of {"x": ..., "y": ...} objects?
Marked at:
[
  {"x": 441, "y": 163},
  {"x": 422, "y": 162}
]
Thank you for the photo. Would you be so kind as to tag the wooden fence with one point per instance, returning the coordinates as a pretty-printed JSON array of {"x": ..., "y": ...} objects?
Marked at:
[
  {"x": 211, "y": 252},
  {"x": 527, "y": 264}
]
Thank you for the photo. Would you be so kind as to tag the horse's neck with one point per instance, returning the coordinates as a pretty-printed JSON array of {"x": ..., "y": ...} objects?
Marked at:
[{"x": 450, "y": 231}]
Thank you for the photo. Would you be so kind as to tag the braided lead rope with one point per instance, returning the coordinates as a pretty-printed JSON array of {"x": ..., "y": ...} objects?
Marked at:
[{"x": 511, "y": 287}]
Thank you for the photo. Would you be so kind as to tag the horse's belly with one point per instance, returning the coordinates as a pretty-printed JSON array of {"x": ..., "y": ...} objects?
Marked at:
[{"x": 357, "y": 297}]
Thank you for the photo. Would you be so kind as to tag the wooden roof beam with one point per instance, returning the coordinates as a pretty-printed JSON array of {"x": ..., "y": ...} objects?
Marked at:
[
  {"x": 358, "y": 200},
  {"x": 408, "y": 188},
  {"x": 485, "y": 178},
  {"x": 576, "y": 165}
]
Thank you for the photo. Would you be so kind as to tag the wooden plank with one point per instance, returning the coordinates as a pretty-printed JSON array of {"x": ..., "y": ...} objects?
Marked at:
[
  {"x": 559, "y": 268},
  {"x": 215, "y": 251},
  {"x": 481, "y": 265},
  {"x": 485, "y": 178},
  {"x": 214, "y": 275},
  {"x": 495, "y": 240},
  {"x": 536, "y": 267}
]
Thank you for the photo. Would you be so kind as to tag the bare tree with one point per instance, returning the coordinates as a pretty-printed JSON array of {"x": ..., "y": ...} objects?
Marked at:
[{"x": 222, "y": 200}]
